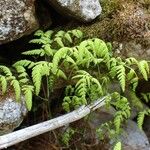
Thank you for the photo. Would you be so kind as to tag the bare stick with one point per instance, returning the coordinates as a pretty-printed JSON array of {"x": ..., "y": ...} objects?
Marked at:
[{"x": 32, "y": 131}]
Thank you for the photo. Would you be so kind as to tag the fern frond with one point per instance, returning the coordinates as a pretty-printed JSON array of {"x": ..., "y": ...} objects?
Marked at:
[
  {"x": 3, "y": 83},
  {"x": 48, "y": 34},
  {"x": 60, "y": 54},
  {"x": 39, "y": 52},
  {"x": 131, "y": 61},
  {"x": 27, "y": 90},
  {"x": 17, "y": 89},
  {"x": 59, "y": 41},
  {"x": 121, "y": 75},
  {"x": 68, "y": 37},
  {"x": 144, "y": 69},
  {"x": 134, "y": 83},
  {"x": 140, "y": 119},
  {"x": 24, "y": 63},
  {"x": 146, "y": 97},
  {"x": 131, "y": 74},
  {"x": 48, "y": 50},
  {"x": 76, "y": 33},
  {"x": 37, "y": 78},
  {"x": 39, "y": 33},
  {"x": 117, "y": 121},
  {"x": 60, "y": 33},
  {"x": 61, "y": 74},
  {"x": 6, "y": 70},
  {"x": 38, "y": 41},
  {"x": 117, "y": 146}
]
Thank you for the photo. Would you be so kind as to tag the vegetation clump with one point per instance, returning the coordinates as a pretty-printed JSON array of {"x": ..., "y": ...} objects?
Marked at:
[{"x": 88, "y": 66}]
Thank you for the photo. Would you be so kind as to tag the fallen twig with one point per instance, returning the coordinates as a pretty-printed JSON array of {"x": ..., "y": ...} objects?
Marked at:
[{"x": 32, "y": 131}]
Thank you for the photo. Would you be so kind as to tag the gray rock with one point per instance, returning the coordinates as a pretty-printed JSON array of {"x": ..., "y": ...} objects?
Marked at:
[
  {"x": 83, "y": 10},
  {"x": 17, "y": 18},
  {"x": 11, "y": 114},
  {"x": 146, "y": 126},
  {"x": 133, "y": 138}
]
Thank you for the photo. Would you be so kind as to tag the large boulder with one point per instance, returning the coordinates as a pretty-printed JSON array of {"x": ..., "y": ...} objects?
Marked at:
[
  {"x": 83, "y": 10},
  {"x": 17, "y": 18}
]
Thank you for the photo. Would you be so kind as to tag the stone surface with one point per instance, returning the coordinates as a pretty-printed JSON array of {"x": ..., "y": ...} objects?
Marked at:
[
  {"x": 17, "y": 18},
  {"x": 146, "y": 126},
  {"x": 83, "y": 10},
  {"x": 133, "y": 138},
  {"x": 11, "y": 114}
]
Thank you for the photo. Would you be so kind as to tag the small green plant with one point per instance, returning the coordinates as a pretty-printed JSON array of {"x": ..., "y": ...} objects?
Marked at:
[
  {"x": 87, "y": 65},
  {"x": 67, "y": 135},
  {"x": 117, "y": 146}
]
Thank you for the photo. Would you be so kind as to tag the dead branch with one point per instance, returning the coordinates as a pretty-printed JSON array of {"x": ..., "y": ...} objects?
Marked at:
[{"x": 35, "y": 130}]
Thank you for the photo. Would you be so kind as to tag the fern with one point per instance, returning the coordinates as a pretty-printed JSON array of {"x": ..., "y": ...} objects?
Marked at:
[
  {"x": 28, "y": 91},
  {"x": 121, "y": 76},
  {"x": 141, "y": 116},
  {"x": 3, "y": 84},
  {"x": 17, "y": 89},
  {"x": 117, "y": 146},
  {"x": 144, "y": 69}
]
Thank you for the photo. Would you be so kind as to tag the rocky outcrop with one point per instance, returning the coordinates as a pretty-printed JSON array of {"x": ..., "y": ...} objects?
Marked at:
[
  {"x": 11, "y": 114},
  {"x": 83, "y": 10},
  {"x": 17, "y": 18}
]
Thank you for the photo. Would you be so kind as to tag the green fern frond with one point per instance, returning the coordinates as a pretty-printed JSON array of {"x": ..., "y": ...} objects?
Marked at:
[
  {"x": 146, "y": 97},
  {"x": 117, "y": 146},
  {"x": 60, "y": 54},
  {"x": 68, "y": 37},
  {"x": 59, "y": 41},
  {"x": 28, "y": 90},
  {"x": 24, "y": 63},
  {"x": 76, "y": 33},
  {"x": 39, "y": 33},
  {"x": 60, "y": 33},
  {"x": 121, "y": 75},
  {"x": 39, "y": 52},
  {"x": 117, "y": 121},
  {"x": 37, "y": 78},
  {"x": 144, "y": 69},
  {"x": 134, "y": 83},
  {"x": 131, "y": 61},
  {"x": 140, "y": 119},
  {"x": 6, "y": 70},
  {"x": 48, "y": 34},
  {"x": 61, "y": 74},
  {"x": 17, "y": 89},
  {"x": 3, "y": 82},
  {"x": 38, "y": 41},
  {"x": 48, "y": 50},
  {"x": 131, "y": 74}
]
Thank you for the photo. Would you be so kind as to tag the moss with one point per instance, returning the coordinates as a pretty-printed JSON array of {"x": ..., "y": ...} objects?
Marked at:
[
  {"x": 109, "y": 7},
  {"x": 126, "y": 21}
]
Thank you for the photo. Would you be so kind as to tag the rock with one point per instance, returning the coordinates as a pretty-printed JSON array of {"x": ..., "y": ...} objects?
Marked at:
[
  {"x": 146, "y": 126},
  {"x": 133, "y": 138},
  {"x": 100, "y": 116},
  {"x": 133, "y": 49},
  {"x": 11, "y": 114},
  {"x": 83, "y": 10},
  {"x": 17, "y": 18}
]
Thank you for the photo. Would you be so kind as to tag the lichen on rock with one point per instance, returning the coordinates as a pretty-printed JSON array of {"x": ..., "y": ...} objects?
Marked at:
[{"x": 11, "y": 114}]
